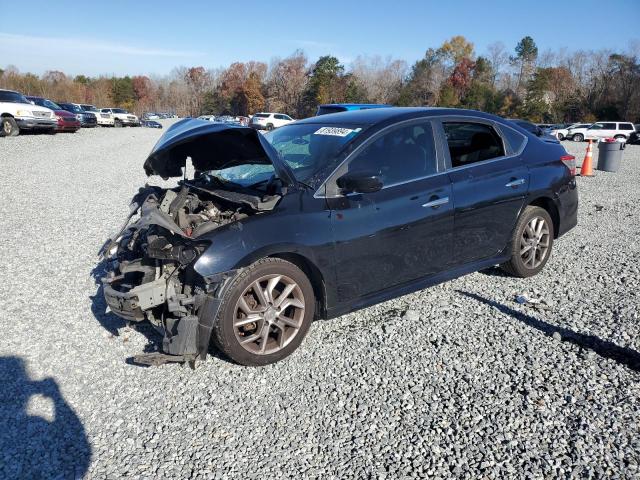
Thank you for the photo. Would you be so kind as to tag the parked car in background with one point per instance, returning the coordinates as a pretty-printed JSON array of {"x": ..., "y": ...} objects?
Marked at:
[
  {"x": 346, "y": 107},
  {"x": 561, "y": 130},
  {"x": 318, "y": 218},
  {"x": 634, "y": 138},
  {"x": 103, "y": 119},
  {"x": 150, "y": 124},
  {"x": 269, "y": 120},
  {"x": 602, "y": 130},
  {"x": 66, "y": 121},
  {"x": 86, "y": 119},
  {"x": 208, "y": 118},
  {"x": 17, "y": 113},
  {"x": 121, "y": 117},
  {"x": 150, "y": 116},
  {"x": 577, "y": 129},
  {"x": 534, "y": 129}
]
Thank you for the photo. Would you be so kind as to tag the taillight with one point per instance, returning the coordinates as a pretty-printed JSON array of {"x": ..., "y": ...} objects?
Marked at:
[{"x": 570, "y": 162}]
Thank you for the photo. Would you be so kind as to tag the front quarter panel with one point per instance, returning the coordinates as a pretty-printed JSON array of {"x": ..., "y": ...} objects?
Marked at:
[{"x": 300, "y": 225}]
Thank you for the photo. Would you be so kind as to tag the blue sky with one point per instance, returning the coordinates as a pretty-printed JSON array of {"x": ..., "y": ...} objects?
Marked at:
[{"x": 151, "y": 37}]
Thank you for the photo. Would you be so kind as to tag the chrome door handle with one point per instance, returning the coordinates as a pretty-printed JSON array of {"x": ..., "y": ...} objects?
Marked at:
[
  {"x": 515, "y": 183},
  {"x": 437, "y": 202}
]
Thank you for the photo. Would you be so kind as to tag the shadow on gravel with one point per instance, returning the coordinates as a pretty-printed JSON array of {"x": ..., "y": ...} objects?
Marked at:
[
  {"x": 494, "y": 272},
  {"x": 112, "y": 323},
  {"x": 624, "y": 356},
  {"x": 32, "y": 446}
]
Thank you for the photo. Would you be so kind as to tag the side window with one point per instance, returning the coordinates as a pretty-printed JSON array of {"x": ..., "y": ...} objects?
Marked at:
[
  {"x": 597, "y": 126},
  {"x": 515, "y": 139},
  {"x": 400, "y": 155},
  {"x": 626, "y": 126},
  {"x": 472, "y": 142},
  {"x": 280, "y": 116},
  {"x": 609, "y": 126}
]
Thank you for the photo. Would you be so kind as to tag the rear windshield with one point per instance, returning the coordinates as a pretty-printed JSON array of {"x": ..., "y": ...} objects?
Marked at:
[
  {"x": 89, "y": 108},
  {"x": 12, "y": 97},
  {"x": 262, "y": 115},
  {"x": 325, "y": 110}
]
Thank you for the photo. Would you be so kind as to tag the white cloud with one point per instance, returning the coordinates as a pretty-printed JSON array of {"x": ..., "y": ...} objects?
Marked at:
[
  {"x": 66, "y": 46},
  {"x": 90, "y": 56}
]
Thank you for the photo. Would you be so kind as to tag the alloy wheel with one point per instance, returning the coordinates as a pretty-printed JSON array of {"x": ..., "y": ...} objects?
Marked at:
[
  {"x": 6, "y": 127},
  {"x": 269, "y": 314},
  {"x": 534, "y": 243}
]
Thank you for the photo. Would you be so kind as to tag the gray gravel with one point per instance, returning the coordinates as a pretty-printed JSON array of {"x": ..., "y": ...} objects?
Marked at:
[{"x": 483, "y": 377}]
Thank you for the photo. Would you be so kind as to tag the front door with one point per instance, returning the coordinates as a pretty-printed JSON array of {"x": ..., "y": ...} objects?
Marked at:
[{"x": 402, "y": 232}]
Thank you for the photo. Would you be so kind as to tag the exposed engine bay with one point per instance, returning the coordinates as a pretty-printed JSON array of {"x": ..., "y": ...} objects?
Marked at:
[{"x": 150, "y": 261}]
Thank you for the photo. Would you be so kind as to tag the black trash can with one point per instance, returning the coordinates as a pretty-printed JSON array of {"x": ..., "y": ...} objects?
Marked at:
[{"x": 610, "y": 155}]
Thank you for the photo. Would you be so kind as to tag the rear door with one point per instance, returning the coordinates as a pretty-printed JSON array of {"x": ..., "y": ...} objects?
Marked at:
[
  {"x": 490, "y": 182},
  {"x": 601, "y": 130},
  {"x": 402, "y": 232}
]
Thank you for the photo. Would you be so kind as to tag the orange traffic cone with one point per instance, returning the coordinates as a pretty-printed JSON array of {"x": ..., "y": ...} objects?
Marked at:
[{"x": 587, "y": 164}]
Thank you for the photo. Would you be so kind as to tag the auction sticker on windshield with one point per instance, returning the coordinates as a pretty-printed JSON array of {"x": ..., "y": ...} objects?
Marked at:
[{"x": 335, "y": 131}]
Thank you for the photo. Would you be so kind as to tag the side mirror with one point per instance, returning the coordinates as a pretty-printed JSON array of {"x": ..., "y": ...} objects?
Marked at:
[{"x": 360, "y": 182}]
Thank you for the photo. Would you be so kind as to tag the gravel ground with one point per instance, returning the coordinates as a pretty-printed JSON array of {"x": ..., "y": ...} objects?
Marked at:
[{"x": 459, "y": 380}]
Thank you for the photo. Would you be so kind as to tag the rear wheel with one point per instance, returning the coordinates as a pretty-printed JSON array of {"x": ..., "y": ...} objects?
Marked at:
[
  {"x": 620, "y": 137},
  {"x": 560, "y": 136},
  {"x": 578, "y": 137},
  {"x": 531, "y": 243},
  {"x": 265, "y": 313},
  {"x": 8, "y": 127},
  {"x": 269, "y": 126}
]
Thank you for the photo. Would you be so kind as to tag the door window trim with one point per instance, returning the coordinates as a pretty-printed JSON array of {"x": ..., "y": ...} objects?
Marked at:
[
  {"x": 509, "y": 153},
  {"x": 342, "y": 168}
]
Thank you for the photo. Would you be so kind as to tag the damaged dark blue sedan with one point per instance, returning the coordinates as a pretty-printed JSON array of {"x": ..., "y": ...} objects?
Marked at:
[{"x": 325, "y": 216}]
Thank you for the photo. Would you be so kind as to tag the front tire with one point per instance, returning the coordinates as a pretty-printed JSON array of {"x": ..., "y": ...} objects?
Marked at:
[
  {"x": 117, "y": 123},
  {"x": 8, "y": 127},
  {"x": 560, "y": 137},
  {"x": 265, "y": 313},
  {"x": 531, "y": 243}
]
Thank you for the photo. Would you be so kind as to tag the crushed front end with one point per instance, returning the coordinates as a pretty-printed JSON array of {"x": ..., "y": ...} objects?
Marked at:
[{"x": 149, "y": 265}]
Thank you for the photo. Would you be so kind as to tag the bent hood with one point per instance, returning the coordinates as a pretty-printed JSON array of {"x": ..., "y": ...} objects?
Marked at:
[{"x": 212, "y": 146}]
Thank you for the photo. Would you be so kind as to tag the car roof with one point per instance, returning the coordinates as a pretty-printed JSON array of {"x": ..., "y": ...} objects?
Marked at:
[
  {"x": 354, "y": 105},
  {"x": 371, "y": 116}
]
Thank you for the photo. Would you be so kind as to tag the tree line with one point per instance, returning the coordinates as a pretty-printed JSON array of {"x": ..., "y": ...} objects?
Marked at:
[{"x": 550, "y": 86}]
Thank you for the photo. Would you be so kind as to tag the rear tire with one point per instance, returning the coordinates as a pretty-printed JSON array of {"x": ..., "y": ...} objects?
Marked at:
[
  {"x": 578, "y": 137},
  {"x": 560, "y": 137},
  {"x": 531, "y": 243},
  {"x": 8, "y": 127},
  {"x": 618, "y": 137},
  {"x": 269, "y": 127},
  {"x": 244, "y": 315}
]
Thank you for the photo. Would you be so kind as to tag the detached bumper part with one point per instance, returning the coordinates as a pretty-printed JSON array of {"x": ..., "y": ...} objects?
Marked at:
[{"x": 186, "y": 337}]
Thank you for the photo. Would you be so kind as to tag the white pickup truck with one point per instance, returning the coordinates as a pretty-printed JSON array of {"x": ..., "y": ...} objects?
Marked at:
[
  {"x": 17, "y": 113},
  {"x": 122, "y": 118}
]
